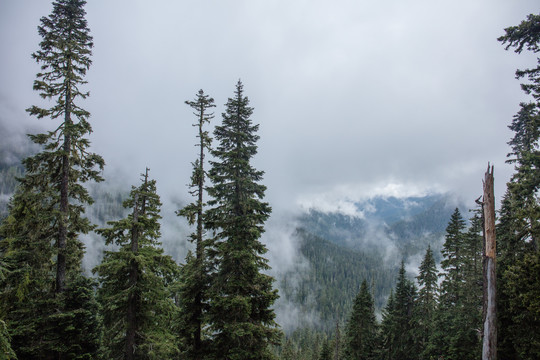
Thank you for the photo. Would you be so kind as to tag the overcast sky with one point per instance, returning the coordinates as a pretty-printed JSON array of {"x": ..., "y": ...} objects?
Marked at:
[{"x": 353, "y": 98}]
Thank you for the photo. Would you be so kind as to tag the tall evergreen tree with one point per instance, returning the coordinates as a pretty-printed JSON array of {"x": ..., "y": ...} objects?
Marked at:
[
  {"x": 135, "y": 297},
  {"x": 388, "y": 329},
  {"x": 241, "y": 315},
  {"x": 399, "y": 321},
  {"x": 326, "y": 351},
  {"x": 49, "y": 205},
  {"x": 65, "y": 163},
  {"x": 518, "y": 231},
  {"x": 458, "y": 317},
  {"x": 453, "y": 253},
  {"x": 427, "y": 299},
  {"x": 195, "y": 273},
  {"x": 361, "y": 334}
]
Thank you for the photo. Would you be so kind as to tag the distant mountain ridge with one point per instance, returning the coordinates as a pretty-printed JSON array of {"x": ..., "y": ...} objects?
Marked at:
[
  {"x": 409, "y": 224},
  {"x": 342, "y": 250}
]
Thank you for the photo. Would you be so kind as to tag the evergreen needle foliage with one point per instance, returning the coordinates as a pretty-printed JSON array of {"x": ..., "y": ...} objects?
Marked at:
[
  {"x": 195, "y": 279},
  {"x": 518, "y": 231},
  {"x": 135, "y": 295},
  {"x": 48, "y": 307},
  {"x": 241, "y": 316},
  {"x": 361, "y": 335}
]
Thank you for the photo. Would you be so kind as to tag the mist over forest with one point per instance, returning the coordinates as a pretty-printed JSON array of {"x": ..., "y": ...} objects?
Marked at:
[{"x": 269, "y": 181}]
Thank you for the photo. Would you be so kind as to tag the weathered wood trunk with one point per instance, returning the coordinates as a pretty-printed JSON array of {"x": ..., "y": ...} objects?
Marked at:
[{"x": 489, "y": 348}]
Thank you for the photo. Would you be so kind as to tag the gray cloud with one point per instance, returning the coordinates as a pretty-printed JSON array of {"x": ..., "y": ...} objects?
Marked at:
[{"x": 353, "y": 98}]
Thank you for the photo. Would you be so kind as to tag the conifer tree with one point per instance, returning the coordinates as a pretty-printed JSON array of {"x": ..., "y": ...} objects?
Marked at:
[
  {"x": 362, "y": 332},
  {"x": 27, "y": 288},
  {"x": 427, "y": 299},
  {"x": 42, "y": 324},
  {"x": 65, "y": 163},
  {"x": 241, "y": 314},
  {"x": 399, "y": 321},
  {"x": 137, "y": 306},
  {"x": 42, "y": 288},
  {"x": 458, "y": 317},
  {"x": 453, "y": 253},
  {"x": 326, "y": 352},
  {"x": 6, "y": 352},
  {"x": 195, "y": 279},
  {"x": 5, "y": 338},
  {"x": 388, "y": 329},
  {"x": 518, "y": 231}
]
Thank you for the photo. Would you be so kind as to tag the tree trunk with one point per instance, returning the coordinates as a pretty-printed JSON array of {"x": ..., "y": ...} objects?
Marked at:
[
  {"x": 489, "y": 348},
  {"x": 131, "y": 317},
  {"x": 197, "y": 344},
  {"x": 64, "y": 200}
]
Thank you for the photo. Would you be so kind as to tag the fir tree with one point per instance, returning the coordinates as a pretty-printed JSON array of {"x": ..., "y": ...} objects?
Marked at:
[
  {"x": 65, "y": 163},
  {"x": 195, "y": 279},
  {"x": 48, "y": 207},
  {"x": 43, "y": 324},
  {"x": 458, "y": 317},
  {"x": 6, "y": 352},
  {"x": 361, "y": 332},
  {"x": 427, "y": 299},
  {"x": 137, "y": 306},
  {"x": 241, "y": 315},
  {"x": 399, "y": 321},
  {"x": 518, "y": 231},
  {"x": 326, "y": 351},
  {"x": 452, "y": 262},
  {"x": 388, "y": 329}
]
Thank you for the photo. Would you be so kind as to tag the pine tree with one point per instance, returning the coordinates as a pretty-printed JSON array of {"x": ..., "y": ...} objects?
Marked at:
[
  {"x": 241, "y": 314},
  {"x": 362, "y": 331},
  {"x": 65, "y": 163},
  {"x": 388, "y": 329},
  {"x": 399, "y": 321},
  {"x": 326, "y": 351},
  {"x": 427, "y": 299},
  {"x": 452, "y": 251},
  {"x": 5, "y": 339},
  {"x": 6, "y": 352},
  {"x": 48, "y": 207},
  {"x": 518, "y": 231},
  {"x": 137, "y": 306},
  {"x": 458, "y": 317},
  {"x": 27, "y": 289},
  {"x": 522, "y": 288},
  {"x": 288, "y": 353},
  {"x": 195, "y": 280}
]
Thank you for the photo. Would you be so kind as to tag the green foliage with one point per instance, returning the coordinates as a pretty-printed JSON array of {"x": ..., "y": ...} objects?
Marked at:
[
  {"x": 329, "y": 285},
  {"x": 399, "y": 322},
  {"x": 427, "y": 299},
  {"x": 518, "y": 231},
  {"x": 457, "y": 321},
  {"x": 65, "y": 163},
  {"x": 135, "y": 278},
  {"x": 326, "y": 351},
  {"x": 6, "y": 352},
  {"x": 195, "y": 279},
  {"x": 361, "y": 334},
  {"x": 241, "y": 316},
  {"x": 523, "y": 291}
]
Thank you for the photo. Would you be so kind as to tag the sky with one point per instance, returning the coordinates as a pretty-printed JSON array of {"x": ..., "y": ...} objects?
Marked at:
[{"x": 354, "y": 98}]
